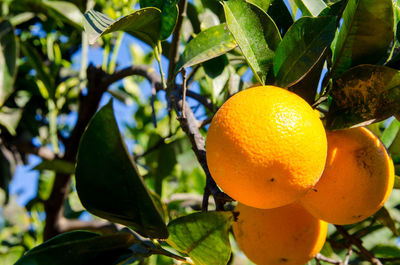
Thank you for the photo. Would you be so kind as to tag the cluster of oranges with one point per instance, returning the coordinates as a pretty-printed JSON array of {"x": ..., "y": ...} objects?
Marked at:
[{"x": 268, "y": 149}]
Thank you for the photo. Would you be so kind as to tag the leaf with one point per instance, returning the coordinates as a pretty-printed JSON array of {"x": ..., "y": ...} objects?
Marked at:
[
  {"x": 21, "y": 18},
  {"x": 307, "y": 85},
  {"x": 390, "y": 133},
  {"x": 209, "y": 44},
  {"x": 57, "y": 165},
  {"x": 202, "y": 236},
  {"x": 281, "y": 15},
  {"x": 107, "y": 180},
  {"x": 255, "y": 33},
  {"x": 386, "y": 251},
  {"x": 383, "y": 216},
  {"x": 8, "y": 60},
  {"x": 169, "y": 14},
  {"x": 79, "y": 247},
  {"x": 311, "y": 7},
  {"x": 9, "y": 118},
  {"x": 363, "y": 95},
  {"x": 262, "y": 4},
  {"x": 301, "y": 48},
  {"x": 66, "y": 10},
  {"x": 143, "y": 24},
  {"x": 365, "y": 35},
  {"x": 396, "y": 182}
]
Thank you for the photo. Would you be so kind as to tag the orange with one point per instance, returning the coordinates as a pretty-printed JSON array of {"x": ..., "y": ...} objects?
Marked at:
[
  {"x": 358, "y": 178},
  {"x": 287, "y": 235},
  {"x": 266, "y": 147}
]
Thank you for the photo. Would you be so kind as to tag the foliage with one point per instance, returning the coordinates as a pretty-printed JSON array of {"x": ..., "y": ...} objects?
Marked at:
[{"x": 342, "y": 56}]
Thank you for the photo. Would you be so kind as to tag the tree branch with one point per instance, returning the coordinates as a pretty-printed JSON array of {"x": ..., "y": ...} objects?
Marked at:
[
  {"x": 320, "y": 257},
  {"x": 351, "y": 240},
  {"x": 101, "y": 226}
]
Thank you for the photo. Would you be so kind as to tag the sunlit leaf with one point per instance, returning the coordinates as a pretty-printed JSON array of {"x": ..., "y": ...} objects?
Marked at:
[
  {"x": 203, "y": 236},
  {"x": 9, "y": 118},
  {"x": 8, "y": 60},
  {"x": 255, "y": 33},
  {"x": 301, "y": 48},
  {"x": 311, "y": 7},
  {"x": 66, "y": 10},
  {"x": 108, "y": 182},
  {"x": 209, "y": 44},
  {"x": 390, "y": 133},
  {"x": 79, "y": 248},
  {"x": 262, "y": 4},
  {"x": 169, "y": 14},
  {"x": 365, "y": 35},
  {"x": 363, "y": 95},
  {"x": 143, "y": 24}
]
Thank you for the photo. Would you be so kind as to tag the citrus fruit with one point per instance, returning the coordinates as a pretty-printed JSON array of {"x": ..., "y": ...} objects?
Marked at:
[
  {"x": 266, "y": 147},
  {"x": 358, "y": 178},
  {"x": 287, "y": 235}
]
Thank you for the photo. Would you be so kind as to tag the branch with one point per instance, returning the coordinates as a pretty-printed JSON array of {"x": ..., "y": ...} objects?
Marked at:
[
  {"x": 320, "y": 257},
  {"x": 28, "y": 148},
  {"x": 351, "y": 240},
  {"x": 104, "y": 227},
  {"x": 173, "y": 56},
  {"x": 61, "y": 187},
  {"x": 206, "y": 102}
]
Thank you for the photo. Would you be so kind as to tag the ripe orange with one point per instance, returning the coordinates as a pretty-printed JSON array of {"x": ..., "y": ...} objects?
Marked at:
[
  {"x": 358, "y": 178},
  {"x": 266, "y": 147},
  {"x": 286, "y": 235}
]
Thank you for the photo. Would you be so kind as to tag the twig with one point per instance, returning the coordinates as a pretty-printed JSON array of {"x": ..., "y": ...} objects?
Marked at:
[
  {"x": 206, "y": 102},
  {"x": 153, "y": 109},
  {"x": 347, "y": 258},
  {"x": 351, "y": 240},
  {"x": 42, "y": 151},
  {"x": 192, "y": 74},
  {"x": 319, "y": 257},
  {"x": 183, "y": 73},
  {"x": 173, "y": 56},
  {"x": 104, "y": 227}
]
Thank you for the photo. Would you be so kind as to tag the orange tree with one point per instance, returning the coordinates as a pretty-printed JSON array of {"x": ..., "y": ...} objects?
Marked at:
[{"x": 150, "y": 203}]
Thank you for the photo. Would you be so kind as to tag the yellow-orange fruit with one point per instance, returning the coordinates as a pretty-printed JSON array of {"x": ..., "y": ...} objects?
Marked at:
[
  {"x": 266, "y": 147},
  {"x": 287, "y": 235},
  {"x": 357, "y": 180}
]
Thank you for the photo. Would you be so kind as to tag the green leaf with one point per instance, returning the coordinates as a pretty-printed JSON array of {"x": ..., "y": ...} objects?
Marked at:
[
  {"x": 365, "y": 35},
  {"x": 12, "y": 255},
  {"x": 396, "y": 182},
  {"x": 57, "y": 165},
  {"x": 383, "y": 216},
  {"x": 262, "y": 4},
  {"x": 169, "y": 14},
  {"x": 301, "y": 48},
  {"x": 143, "y": 24},
  {"x": 390, "y": 133},
  {"x": 255, "y": 33},
  {"x": 311, "y": 7},
  {"x": 209, "y": 44},
  {"x": 202, "y": 236},
  {"x": 281, "y": 15},
  {"x": 79, "y": 248},
  {"x": 9, "y": 118},
  {"x": 307, "y": 85},
  {"x": 8, "y": 60},
  {"x": 363, "y": 95},
  {"x": 386, "y": 251},
  {"x": 66, "y": 10},
  {"x": 107, "y": 180}
]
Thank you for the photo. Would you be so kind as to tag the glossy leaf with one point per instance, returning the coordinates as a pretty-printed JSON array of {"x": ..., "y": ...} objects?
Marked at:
[
  {"x": 79, "y": 248},
  {"x": 9, "y": 118},
  {"x": 107, "y": 180},
  {"x": 301, "y": 48},
  {"x": 383, "y": 216},
  {"x": 169, "y": 14},
  {"x": 262, "y": 4},
  {"x": 8, "y": 60},
  {"x": 255, "y": 33},
  {"x": 143, "y": 24},
  {"x": 390, "y": 133},
  {"x": 209, "y": 44},
  {"x": 307, "y": 85},
  {"x": 66, "y": 10},
  {"x": 57, "y": 165},
  {"x": 311, "y": 7},
  {"x": 363, "y": 95},
  {"x": 202, "y": 236},
  {"x": 365, "y": 35},
  {"x": 281, "y": 15}
]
